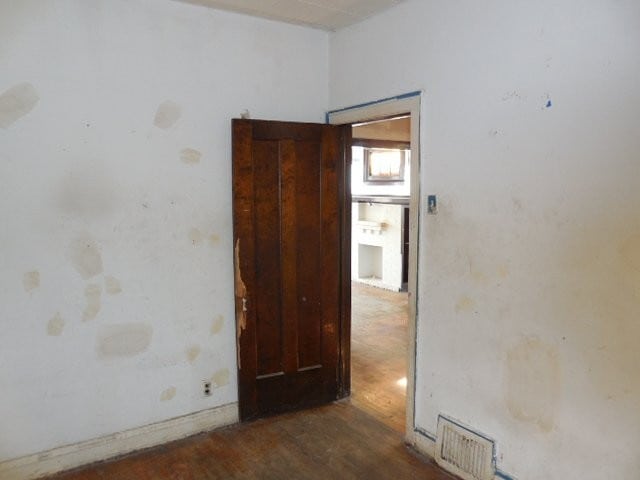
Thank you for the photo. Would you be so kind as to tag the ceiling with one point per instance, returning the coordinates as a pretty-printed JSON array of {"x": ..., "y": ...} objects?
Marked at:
[{"x": 324, "y": 14}]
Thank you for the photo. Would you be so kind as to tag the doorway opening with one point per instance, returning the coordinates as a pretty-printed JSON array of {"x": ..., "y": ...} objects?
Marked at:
[
  {"x": 380, "y": 193},
  {"x": 383, "y": 226}
]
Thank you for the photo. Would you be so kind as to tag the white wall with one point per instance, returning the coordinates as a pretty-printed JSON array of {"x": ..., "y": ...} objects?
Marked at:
[
  {"x": 95, "y": 198},
  {"x": 386, "y": 261},
  {"x": 529, "y": 289}
]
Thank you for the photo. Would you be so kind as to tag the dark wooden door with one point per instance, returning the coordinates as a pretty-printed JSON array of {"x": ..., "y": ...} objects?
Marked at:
[{"x": 289, "y": 209}]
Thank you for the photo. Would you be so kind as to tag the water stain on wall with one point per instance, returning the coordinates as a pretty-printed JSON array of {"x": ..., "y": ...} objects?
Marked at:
[
  {"x": 168, "y": 394},
  {"x": 533, "y": 381},
  {"x": 112, "y": 285},
  {"x": 220, "y": 378},
  {"x": 92, "y": 293},
  {"x": 16, "y": 102},
  {"x": 85, "y": 257},
  {"x": 190, "y": 156},
  {"x": 55, "y": 325},
  {"x": 217, "y": 324},
  {"x": 192, "y": 353},
  {"x": 123, "y": 340},
  {"x": 196, "y": 237},
  {"x": 214, "y": 240},
  {"x": 167, "y": 115},
  {"x": 31, "y": 281},
  {"x": 465, "y": 305}
]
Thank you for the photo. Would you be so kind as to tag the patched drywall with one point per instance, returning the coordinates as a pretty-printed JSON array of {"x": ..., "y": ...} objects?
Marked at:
[
  {"x": 115, "y": 197},
  {"x": 529, "y": 286}
]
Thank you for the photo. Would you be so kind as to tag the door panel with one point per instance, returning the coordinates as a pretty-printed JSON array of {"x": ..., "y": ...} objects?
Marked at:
[{"x": 288, "y": 192}]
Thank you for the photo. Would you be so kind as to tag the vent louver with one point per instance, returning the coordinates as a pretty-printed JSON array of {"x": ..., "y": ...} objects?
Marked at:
[{"x": 464, "y": 452}]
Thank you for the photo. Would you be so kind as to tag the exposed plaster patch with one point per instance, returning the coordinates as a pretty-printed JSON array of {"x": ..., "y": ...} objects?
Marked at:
[
  {"x": 55, "y": 325},
  {"x": 16, "y": 102},
  {"x": 167, "y": 115},
  {"x": 214, "y": 239},
  {"x": 85, "y": 257},
  {"x": 217, "y": 324},
  {"x": 220, "y": 378},
  {"x": 190, "y": 156},
  {"x": 92, "y": 293},
  {"x": 112, "y": 285},
  {"x": 31, "y": 281},
  {"x": 123, "y": 340},
  {"x": 168, "y": 394},
  {"x": 193, "y": 353}
]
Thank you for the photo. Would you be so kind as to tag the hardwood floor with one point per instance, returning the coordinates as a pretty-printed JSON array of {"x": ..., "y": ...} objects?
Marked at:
[
  {"x": 379, "y": 353},
  {"x": 337, "y": 441},
  {"x": 358, "y": 438}
]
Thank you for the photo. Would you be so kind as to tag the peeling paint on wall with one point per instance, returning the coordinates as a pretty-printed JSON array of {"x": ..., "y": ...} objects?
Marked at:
[
  {"x": 241, "y": 295},
  {"x": 85, "y": 257},
  {"x": 167, "y": 115},
  {"x": 16, "y": 102},
  {"x": 123, "y": 340},
  {"x": 31, "y": 281},
  {"x": 533, "y": 380}
]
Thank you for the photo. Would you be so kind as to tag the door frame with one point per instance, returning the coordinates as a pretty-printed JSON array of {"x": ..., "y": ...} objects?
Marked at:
[{"x": 389, "y": 107}]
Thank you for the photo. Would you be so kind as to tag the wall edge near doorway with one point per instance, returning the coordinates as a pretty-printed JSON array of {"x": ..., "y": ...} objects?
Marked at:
[
  {"x": 424, "y": 442},
  {"x": 110, "y": 446}
]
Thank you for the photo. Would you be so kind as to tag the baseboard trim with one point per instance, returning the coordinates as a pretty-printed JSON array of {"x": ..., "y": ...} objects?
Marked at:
[
  {"x": 425, "y": 443},
  {"x": 110, "y": 446}
]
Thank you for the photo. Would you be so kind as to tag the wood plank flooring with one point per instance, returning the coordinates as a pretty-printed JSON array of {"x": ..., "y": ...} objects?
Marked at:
[
  {"x": 337, "y": 441},
  {"x": 358, "y": 438},
  {"x": 379, "y": 341}
]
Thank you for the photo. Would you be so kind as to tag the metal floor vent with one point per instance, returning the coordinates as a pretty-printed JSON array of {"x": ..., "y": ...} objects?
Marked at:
[{"x": 463, "y": 452}]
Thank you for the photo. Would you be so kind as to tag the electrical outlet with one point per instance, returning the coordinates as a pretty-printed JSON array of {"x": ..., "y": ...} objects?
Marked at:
[{"x": 206, "y": 389}]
